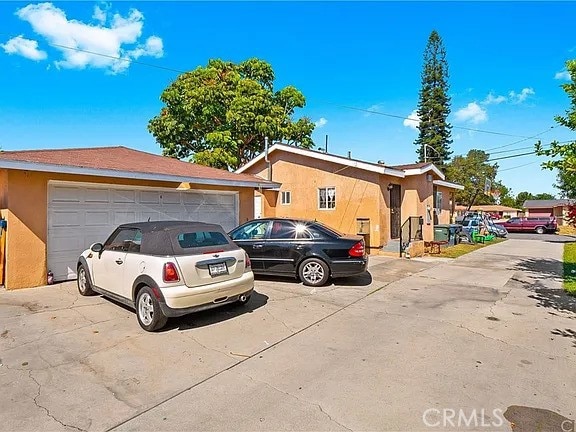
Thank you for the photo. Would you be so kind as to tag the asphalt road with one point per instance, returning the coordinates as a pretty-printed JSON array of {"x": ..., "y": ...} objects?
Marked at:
[{"x": 553, "y": 238}]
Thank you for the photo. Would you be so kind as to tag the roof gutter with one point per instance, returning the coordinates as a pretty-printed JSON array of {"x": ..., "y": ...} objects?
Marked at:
[{"x": 67, "y": 169}]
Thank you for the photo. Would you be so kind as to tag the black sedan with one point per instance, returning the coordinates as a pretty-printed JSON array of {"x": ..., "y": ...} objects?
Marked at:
[{"x": 306, "y": 249}]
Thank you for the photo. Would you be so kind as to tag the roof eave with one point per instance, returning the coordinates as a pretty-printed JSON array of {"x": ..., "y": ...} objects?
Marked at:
[
  {"x": 448, "y": 184},
  {"x": 325, "y": 157},
  {"x": 68, "y": 169}
]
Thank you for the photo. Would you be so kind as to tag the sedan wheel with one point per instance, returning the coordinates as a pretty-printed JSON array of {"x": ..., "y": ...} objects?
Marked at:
[
  {"x": 84, "y": 285},
  {"x": 314, "y": 272},
  {"x": 150, "y": 316}
]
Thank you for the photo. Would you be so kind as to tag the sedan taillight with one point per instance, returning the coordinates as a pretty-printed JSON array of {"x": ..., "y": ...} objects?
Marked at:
[
  {"x": 357, "y": 250},
  {"x": 248, "y": 263},
  {"x": 170, "y": 273}
]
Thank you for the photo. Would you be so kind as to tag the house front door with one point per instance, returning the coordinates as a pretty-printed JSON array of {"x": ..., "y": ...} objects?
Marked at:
[{"x": 395, "y": 216}]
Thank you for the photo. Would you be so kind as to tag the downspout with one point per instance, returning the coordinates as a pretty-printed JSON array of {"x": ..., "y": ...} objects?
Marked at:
[{"x": 266, "y": 159}]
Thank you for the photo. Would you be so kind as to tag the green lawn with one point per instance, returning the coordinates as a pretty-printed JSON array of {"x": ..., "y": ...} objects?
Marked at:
[
  {"x": 570, "y": 268},
  {"x": 464, "y": 248}
]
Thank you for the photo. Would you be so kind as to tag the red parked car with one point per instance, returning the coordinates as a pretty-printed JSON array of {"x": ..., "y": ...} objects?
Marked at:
[{"x": 539, "y": 225}]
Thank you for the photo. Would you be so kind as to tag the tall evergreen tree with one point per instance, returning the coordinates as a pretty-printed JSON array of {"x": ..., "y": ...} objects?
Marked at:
[{"x": 434, "y": 105}]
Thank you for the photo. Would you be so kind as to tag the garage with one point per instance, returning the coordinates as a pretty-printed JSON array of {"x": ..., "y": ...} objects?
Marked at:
[
  {"x": 80, "y": 214},
  {"x": 56, "y": 202}
]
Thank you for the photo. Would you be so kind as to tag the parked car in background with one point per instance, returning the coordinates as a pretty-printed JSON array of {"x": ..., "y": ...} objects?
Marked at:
[
  {"x": 540, "y": 225},
  {"x": 167, "y": 269},
  {"x": 483, "y": 223},
  {"x": 306, "y": 249}
]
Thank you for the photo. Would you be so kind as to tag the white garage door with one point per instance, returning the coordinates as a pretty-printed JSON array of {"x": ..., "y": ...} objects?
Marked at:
[{"x": 80, "y": 214}]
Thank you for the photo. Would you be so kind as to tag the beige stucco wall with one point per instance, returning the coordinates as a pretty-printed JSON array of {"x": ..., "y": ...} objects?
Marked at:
[
  {"x": 25, "y": 198},
  {"x": 358, "y": 194},
  {"x": 447, "y": 205},
  {"x": 416, "y": 196}
]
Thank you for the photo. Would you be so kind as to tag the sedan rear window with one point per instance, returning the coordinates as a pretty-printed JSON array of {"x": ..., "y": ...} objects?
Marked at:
[{"x": 201, "y": 239}]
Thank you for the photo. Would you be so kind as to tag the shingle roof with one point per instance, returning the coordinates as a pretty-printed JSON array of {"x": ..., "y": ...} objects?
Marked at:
[
  {"x": 123, "y": 159},
  {"x": 411, "y": 166},
  {"x": 547, "y": 203}
]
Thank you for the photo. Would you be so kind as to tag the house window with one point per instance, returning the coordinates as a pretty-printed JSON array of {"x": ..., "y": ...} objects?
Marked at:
[
  {"x": 327, "y": 198},
  {"x": 286, "y": 197}
]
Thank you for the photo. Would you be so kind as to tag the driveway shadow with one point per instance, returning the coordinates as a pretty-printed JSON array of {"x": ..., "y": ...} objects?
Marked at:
[
  {"x": 216, "y": 315},
  {"x": 363, "y": 279},
  {"x": 540, "y": 269}
]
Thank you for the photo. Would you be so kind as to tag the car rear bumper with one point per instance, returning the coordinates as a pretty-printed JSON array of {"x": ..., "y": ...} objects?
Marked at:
[
  {"x": 348, "y": 267},
  {"x": 182, "y": 300}
]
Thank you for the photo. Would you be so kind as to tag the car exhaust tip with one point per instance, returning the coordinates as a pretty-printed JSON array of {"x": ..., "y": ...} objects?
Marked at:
[{"x": 242, "y": 298}]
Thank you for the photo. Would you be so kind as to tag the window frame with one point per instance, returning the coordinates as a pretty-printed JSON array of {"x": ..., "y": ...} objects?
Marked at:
[
  {"x": 326, "y": 188},
  {"x": 283, "y": 195}
]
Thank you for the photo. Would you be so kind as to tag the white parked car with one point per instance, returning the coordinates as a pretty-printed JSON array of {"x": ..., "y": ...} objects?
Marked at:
[{"x": 167, "y": 269}]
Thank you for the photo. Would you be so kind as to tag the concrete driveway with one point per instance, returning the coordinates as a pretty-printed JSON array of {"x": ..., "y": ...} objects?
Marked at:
[{"x": 488, "y": 340}]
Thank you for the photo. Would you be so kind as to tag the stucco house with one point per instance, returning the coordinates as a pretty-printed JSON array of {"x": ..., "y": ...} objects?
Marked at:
[
  {"x": 58, "y": 202},
  {"x": 503, "y": 212},
  {"x": 351, "y": 195},
  {"x": 554, "y": 207}
]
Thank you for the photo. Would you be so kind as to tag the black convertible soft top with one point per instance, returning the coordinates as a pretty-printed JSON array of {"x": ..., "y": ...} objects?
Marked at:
[{"x": 161, "y": 237}]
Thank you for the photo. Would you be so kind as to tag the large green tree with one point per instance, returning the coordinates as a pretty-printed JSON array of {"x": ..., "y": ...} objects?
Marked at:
[
  {"x": 566, "y": 183},
  {"x": 522, "y": 197},
  {"x": 434, "y": 105},
  {"x": 221, "y": 113},
  {"x": 472, "y": 171},
  {"x": 563, "y": 154}
]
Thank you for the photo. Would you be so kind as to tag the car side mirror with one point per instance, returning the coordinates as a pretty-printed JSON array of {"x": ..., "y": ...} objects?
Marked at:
[{"x": 97, "y": 247}]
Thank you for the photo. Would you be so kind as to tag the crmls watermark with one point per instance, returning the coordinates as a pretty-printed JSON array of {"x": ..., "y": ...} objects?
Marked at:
[
  {"x": 568, "y": 426},
  {"x": 461, "y": 418}
]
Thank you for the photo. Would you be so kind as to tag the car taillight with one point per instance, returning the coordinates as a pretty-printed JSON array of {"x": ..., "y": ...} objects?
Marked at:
[
  {"x": 170, "y": 274},
  {"x": 357, "y": 250},
  {"x": 248, "y": 265}
]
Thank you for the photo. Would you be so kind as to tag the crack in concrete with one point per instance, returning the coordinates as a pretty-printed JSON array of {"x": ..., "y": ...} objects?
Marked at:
[
  {"x": 501, "y": 299},
  {"x": 191, "y": 336},
  {"x": 317, "y": 405},
  {"x": 46, "y": 410},
  {"x": 58, "y": 333},
  {"x": 110, "y": 389},
  {"x": 279, "y": 320}
]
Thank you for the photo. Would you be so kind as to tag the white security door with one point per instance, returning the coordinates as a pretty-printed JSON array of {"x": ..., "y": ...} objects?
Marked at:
[
  {"x": 257, "y": 207},
  {"x": 80, "y": 214}
]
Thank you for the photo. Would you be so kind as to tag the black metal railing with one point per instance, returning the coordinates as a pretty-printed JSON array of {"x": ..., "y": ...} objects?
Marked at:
[{"x": 410, "y": 230}]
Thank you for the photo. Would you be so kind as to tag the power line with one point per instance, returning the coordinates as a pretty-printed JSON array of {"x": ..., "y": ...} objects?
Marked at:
[
  {"x": 518, "y": 166},
  {"x": 454, "y": 127},
  {"x": 517, "y": 149},
  {"x": 124, "y": 59},
  {"x": 511, "y": 156},
  {"x": 129, "y": 60},
  {"x": 522, "y": 140}
]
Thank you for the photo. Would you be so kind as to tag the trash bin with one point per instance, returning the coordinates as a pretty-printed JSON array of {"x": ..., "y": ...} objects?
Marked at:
[
  {"x": 442, "y": 233},
  {"x": 447, "y": 233}
]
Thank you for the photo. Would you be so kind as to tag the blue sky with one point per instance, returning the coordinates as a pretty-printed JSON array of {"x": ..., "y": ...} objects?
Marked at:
[{"x": 506, "y": 63}]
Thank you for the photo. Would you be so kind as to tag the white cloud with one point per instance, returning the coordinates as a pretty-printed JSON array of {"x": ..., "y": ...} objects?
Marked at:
[
  {"x": 562, "y": 75},
  {"x": 25, "y": 47},
  {"x": 101, "y": 15},
  {"x": 412, "y": 121},
  {"x": 472, "y": 113},
  {"x": 321, "y": 123},
  {"x": 522, "y": 96},
  {"x": 121, "y": 38},
  {"x": 492, "y": 99}
]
